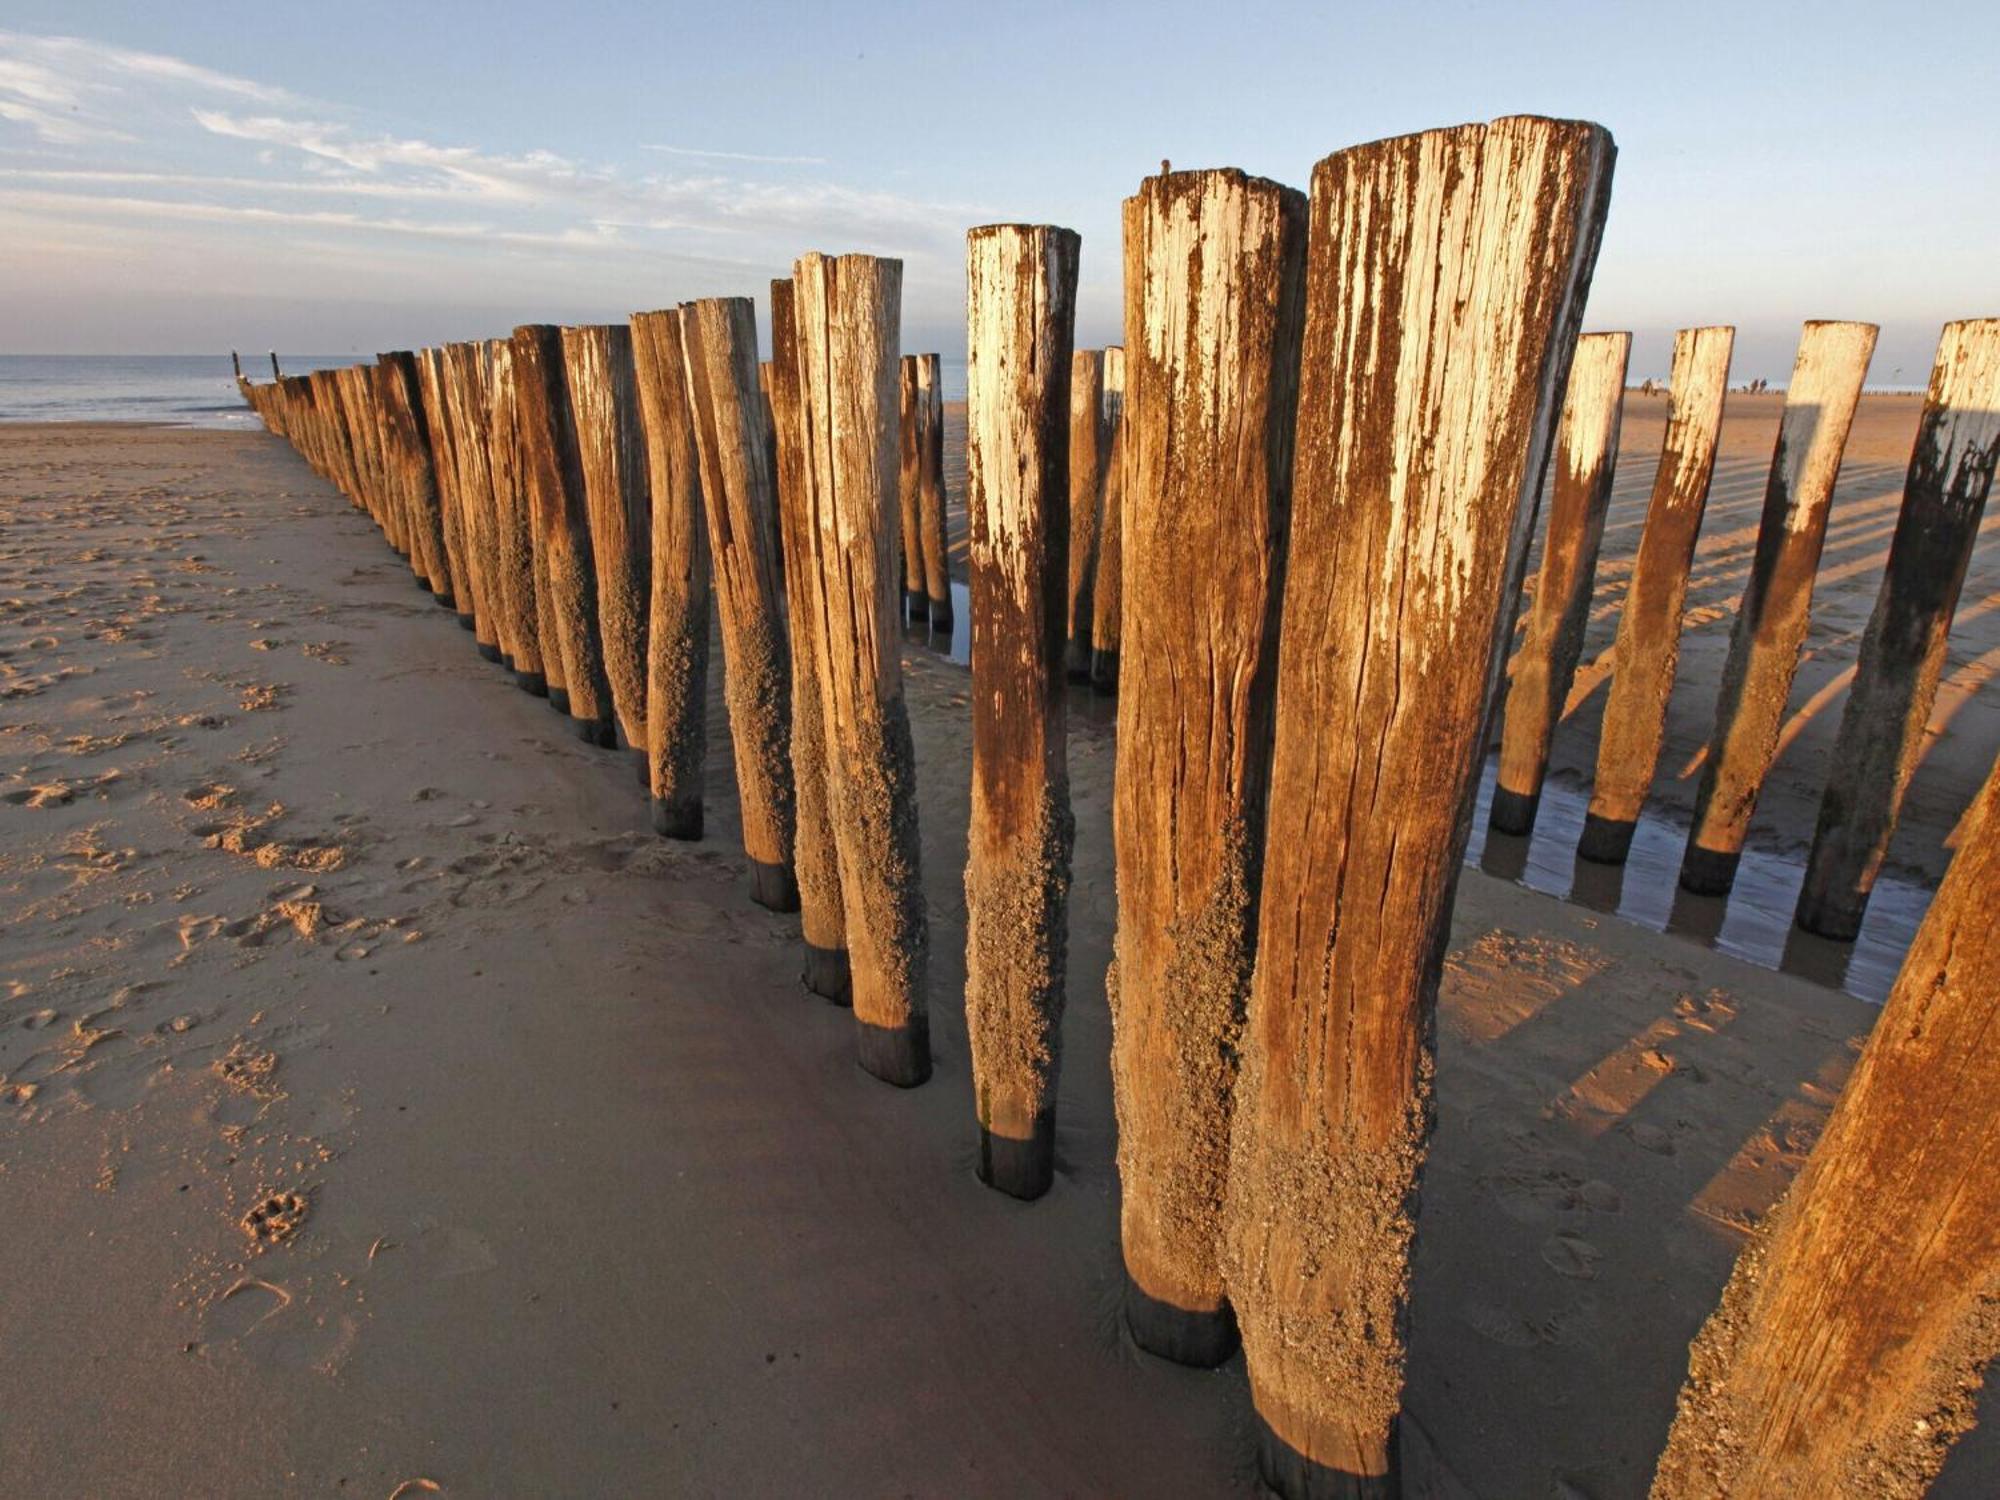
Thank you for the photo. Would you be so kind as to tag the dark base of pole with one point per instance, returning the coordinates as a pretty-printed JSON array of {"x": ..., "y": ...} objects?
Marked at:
[
  {"x": 531, "y": 682},
  {"x": 1020, "y": 1169},
  {"x": 773, "y": 886},
  {"x": 1605, "y": 841},
  {"x": 1295, "y": 1477},
  {"x": 1514, "y": 812},
  {"x": 940, "y": 614},
  {"x": 1831, "y": 917},
  {"x": 677, "y": 820},
  {"x": 1104, "y": 673},
  {"x": 1200, "y": 1340},
  {"x": 488, "y": 651},
  {"x": 599, "y": 732},
  {"x": 1704, "y": 872},
  {"x": 559, "y": 700},
  {"x": 466, "y": 622},
  {"x": 827, "y": 974},
  {"x": 444, "y": 600},
  {"x": 642, "y": 765},
  {"x": 916, "y": 606},
  {"x": 899, "y": 1055},
  {"x": 1076, "y": 665}
]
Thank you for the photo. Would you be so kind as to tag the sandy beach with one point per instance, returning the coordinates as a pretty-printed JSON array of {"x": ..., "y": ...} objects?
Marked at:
[{"x": 385, "y": 1111}]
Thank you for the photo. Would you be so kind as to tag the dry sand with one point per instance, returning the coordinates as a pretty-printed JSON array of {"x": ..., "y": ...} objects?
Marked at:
[{"x": 568, "y": 1188}]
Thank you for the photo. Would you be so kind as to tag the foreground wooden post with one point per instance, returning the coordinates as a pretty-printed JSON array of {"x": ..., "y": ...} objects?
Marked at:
[
  {"x": 1902, "y": 654},
  {"x": 433, "y": 400},
  {"x": 931, "y": 521},
  {"x": 553, "y": 476},
  {"x": 611, "y": 455},
  {"x": 1087, "y": 458},
  {"x": 915, "y": 414},
  {"x": 677, "y": 633},
  {"x": 1848, "y": 1349},
  {"x": 1020, "y": 321},
  {"x": 1107, "y": 585},
  {"x": 416, "y": 475},
  {"x": 514, "y": 550},
  {"x": 1545, "y": 665},
  {"x": 815, "y": 856},
  {"x": 1445, "y": 281},
  {"x": 849, "y": 311},
  {"x": 1777, "y": 601},
  {"x": 469, "y": 398},
  {"x": 1212, "y": 382},
  {"x": 1649, "y": 625},
  {"x": 720, "y": 337}
]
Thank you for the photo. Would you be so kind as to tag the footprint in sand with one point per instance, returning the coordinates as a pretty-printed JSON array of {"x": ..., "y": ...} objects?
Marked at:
[
  {"x": 276, "y": 1218},
  {"x": 1571, "y": 1255},
  {"x": 242, "y": 1308}
]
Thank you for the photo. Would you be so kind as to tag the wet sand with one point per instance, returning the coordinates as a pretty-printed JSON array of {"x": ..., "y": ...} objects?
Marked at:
[{"x": 381, "y": 1103}]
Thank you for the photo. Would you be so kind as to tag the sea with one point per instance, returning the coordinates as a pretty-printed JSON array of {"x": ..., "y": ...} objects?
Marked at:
[{"x": 176, "y": 390}]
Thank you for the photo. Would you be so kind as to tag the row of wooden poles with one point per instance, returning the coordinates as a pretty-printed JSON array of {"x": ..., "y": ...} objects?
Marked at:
[{"x": 1336, "y": 414}]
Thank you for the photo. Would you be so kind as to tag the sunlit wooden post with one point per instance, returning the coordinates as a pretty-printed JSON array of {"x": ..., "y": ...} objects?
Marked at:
[
  {"x": 1020, "y": 321},
  {"x": 431, "y": 395},
  {"x": 849, "y": 312},
  {"x": 1777, "y": 601},
  {"x": 1580, "y": 493},
  {"x": 515, "y": 589},
  {"x": 1445, "y": 281},
  {"x": 276, "y": 373},
  {"x": 1086, "y": 497},
  {"x": 931, "y": 521},
  {"x": 408, "y": 432},
  {"x": 1902, "y": 654},
  {"x": 1106, "y": 587},
  {"x": 468, "y": 400},
  {"x": 611, "y": 458},
  {"x": 1849, "y": 1346},
  {"x": 1212, "y": 384},
  {"x": 552, "y": 471},
  {"x": 1648, "y": 645},
  {"x": 914, "y": 419},
  {"x": 677, "y": 633},
  {"x": 815, "y": 855}
]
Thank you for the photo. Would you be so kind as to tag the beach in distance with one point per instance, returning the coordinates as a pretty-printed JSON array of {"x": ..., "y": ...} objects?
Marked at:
[{"x": 386, "y": 1110}]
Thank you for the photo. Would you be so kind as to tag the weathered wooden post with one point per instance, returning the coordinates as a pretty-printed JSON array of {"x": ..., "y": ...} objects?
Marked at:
[
  {"x": 1087, "y": 458},
  {"x": 815, "y": 856},
  {"x": 719, "y": 335},
  {"x": 1211, "y": 370},
  {"x": 276, "y": 374},
  {"x": 416, "y": 476},
  {"x": 1648, "y": 644},
  {"x": 1902, "y": 653},
  {"x": 432, "y": 401},
  {"x": 677, "y": 634},
  {"x": 914, "y": 414},
  {"x": 849, "y": 312},
  {"x": 1106, "y": 593},
  {"x": 611, "y": 458},
  {"x": 931, "y": 521},
  {"x": 1020, "y": 321},
  {"x": 469, "y": 399},
  {"x": 1545, "y": 664},
  {"x": 513, "y": 549},
  {"x": 1445, "y": 280},
  {"x": 1848, "y": 1349},
  {"x": 1777, "y": 600},
  {"x": 553, "y": 479}
]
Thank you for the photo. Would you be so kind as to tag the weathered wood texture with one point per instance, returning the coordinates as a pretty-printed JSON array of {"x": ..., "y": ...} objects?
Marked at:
[
  {"x": 1212, "y": 382},
  {"x": 719, "y": 335},
  {"x": 679, "y": 606},
  {"x": 1087, "y": 458},
  {"x": 1648, "y": 646},
  {"x": 1902, "y": 653},
  {"x": 513, "y": 553},
  {"x": 1020, "y": 325},
  {"x": 1107, "y": 583},
  {"x": 409, "y": 440},
  {"x": 431, "y": 393},
  {"x": 914, "y": 415},
  {"x": 849, "y": 311},
  {"x": 552, "y": 475},
  {"x": 1445, "y": 281},
  {"x": 468, "y": 369},
  {"x": 611, "y": 458},
  {"x": 815, "y": 857},
  {"x": 933, "y": 528},
  {"x": 1544, "y": 666},
  {"x": 1776, "y": 609},
  {"x": 1847, "y": 1352}
]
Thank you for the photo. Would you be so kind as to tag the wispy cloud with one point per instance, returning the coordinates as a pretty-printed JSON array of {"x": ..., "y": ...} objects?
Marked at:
[
  {"x": 70, "y": 90},
  {"x": 797, "y": 161}
]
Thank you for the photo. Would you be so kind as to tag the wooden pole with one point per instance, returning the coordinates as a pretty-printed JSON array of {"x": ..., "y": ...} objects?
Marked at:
[
  {"x": 677, "y": 634},
  {"x": 1212, "y": 386},
  {"x": 1545, "y": 665},
  {"x": 1847, "y": 1352},
  {"x": 1777, "y": 601},
  {"x": 514, "y": 549},
  {"x": 1107, "y": 586},
  {"x": 1087, "y": 456},
  {"x": 1648, "y": 645},
  {"x": 1902, "y": 654},
  {"x": 720, "y": 338},
  {"x": 468, "y": 400},
  {"x": 849, "y": 330},
  {"x": 276, "y": 374},
  {"x": 553, "y": 474},
  {"x": 910, "y": 491},
  {"x": 612, "y": 461},
  {"x": 931, "y": 517},
  {"x": 815, "y": 856},
  {"x": 1020, "y": 320},
  {"x": 416, "y": 476},
  {"x": 1445, "y": 281},
  {"x": 431, "y": 393}
]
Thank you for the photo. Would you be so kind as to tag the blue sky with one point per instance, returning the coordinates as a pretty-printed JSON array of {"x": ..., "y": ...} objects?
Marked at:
[{"x": 176, "y": 178}]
